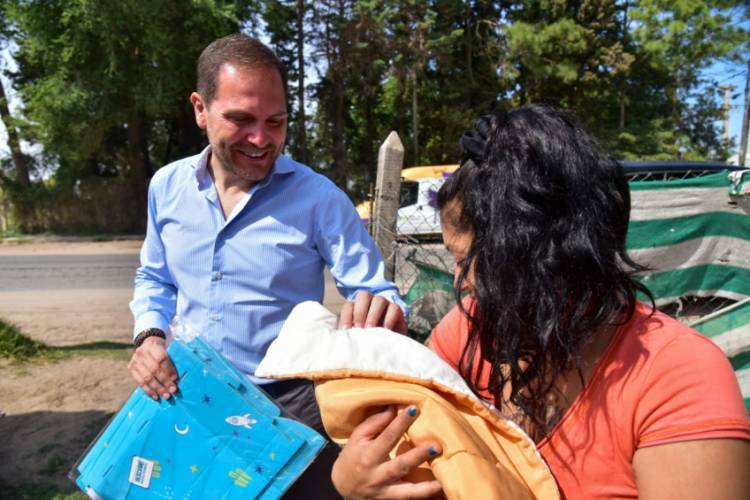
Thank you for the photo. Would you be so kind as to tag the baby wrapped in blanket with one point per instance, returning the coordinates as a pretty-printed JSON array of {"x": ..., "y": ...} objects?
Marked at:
[{"x": 359, "y": 370}]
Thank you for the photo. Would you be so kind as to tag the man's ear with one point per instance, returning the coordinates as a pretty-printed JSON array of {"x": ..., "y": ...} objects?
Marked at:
[{"x": 200, "y": 109}]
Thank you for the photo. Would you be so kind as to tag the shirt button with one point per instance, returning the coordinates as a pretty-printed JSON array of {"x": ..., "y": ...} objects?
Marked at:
[
  {"x": 215, "y": 317},
  {"x": 218, "y": 275}
]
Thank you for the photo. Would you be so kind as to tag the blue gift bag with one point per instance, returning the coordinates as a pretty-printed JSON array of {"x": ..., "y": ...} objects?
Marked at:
[{"x": 220, "y": 436}]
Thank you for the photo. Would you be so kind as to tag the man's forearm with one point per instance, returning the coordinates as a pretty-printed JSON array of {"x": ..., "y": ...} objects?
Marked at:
[{"x": 154, "y": 303}]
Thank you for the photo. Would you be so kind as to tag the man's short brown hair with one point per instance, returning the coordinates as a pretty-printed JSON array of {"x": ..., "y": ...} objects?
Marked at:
[{"x": 242, "y": 50}]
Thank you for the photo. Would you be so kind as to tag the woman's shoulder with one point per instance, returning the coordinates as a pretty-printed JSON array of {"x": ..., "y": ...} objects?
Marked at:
[
  {"x": 653, "y": 336},
  {"x": 663, "y": 352},
  {"x": 679, "y": 382}
]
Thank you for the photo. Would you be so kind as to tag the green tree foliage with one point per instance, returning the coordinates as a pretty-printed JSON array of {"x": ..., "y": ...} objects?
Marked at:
[
  {"x": 674, "y": 42},
  {"x": 105, "y": 84},
  {"x": 565, "y": 53},
  {"x": 460, "y": 76},
  {"x": 16, "y": 345},
  {"x": 285, "y": 25},
  {"x": 631, "y": 70}
]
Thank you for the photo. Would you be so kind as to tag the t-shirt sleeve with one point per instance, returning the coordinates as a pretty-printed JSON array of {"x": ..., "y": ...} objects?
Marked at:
[
  {"x": 449, "y": 336},
  {"x": 690, "y": 392}
]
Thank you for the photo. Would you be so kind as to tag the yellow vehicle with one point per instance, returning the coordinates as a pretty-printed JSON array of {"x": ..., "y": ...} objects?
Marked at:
[
  {"x": 427, "y": 172},
  {"x": 417, "y": 214}
]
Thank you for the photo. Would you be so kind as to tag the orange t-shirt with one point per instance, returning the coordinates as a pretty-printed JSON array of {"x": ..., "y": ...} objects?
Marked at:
[{"x": 657, "y": 382}]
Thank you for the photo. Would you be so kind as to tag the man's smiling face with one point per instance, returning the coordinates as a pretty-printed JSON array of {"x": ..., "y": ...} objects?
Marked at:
[{"x": 246, "y": 122}]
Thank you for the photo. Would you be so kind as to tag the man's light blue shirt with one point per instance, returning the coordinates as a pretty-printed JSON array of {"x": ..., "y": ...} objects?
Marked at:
[{"x": 236, "y": 279}]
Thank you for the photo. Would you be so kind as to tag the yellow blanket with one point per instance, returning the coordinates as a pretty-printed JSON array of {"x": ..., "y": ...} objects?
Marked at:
[{"x": 358, "y": 371}]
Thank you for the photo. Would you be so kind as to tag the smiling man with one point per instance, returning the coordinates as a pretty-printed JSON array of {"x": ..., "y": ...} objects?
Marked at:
[
  {"x": 240, "y": 234},
  {"x": 245, "y": 119}
]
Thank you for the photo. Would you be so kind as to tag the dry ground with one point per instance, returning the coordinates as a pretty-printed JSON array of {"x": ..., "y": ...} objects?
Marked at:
[{"x": 55, "y": 405}]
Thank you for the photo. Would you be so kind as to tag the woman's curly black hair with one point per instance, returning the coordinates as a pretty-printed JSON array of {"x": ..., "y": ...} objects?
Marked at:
[{"x": 548, "y": 210}]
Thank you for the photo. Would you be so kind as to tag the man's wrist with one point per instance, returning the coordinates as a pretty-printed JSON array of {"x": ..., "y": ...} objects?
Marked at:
[{"x": 148, "y": 333}]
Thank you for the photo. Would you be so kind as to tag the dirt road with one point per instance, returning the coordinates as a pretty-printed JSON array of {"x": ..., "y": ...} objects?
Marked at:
[{"x": 73, "y": 295}]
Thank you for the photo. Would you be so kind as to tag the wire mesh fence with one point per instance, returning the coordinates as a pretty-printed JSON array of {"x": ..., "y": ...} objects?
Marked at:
[
  {"x": 689, "y": 309},
  {"x": 423, "y": 266}
]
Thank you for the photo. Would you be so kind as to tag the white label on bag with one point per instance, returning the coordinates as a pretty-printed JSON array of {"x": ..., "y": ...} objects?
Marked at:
[{"x": 140, "y": 472}]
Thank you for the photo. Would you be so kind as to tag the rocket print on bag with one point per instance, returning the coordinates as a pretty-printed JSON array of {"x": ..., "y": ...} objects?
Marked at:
[{"x": 241, "y": 421}]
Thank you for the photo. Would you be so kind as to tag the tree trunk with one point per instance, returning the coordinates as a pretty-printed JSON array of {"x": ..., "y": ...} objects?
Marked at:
[
  {"x": 19, "y": 161},
  {"x": 415, "y": 115},
  {"x": 22, "y": 206},
  {"x": 402, "y": 102},
  {"x": 370, "y": 140},
  {"x": 340, "y": 160},
  {"x": 469, "y": 41},
  {"x": 190, "y": 138},
  {"x": 301, "y": 119},
  {"x": 745, "y": 120},
  {"x": 138, "y": 170}
]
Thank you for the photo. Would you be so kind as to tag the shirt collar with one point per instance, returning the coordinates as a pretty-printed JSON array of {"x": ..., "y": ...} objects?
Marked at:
[
  {"x": 282, "y": 166},
  {"x": 201, "y": 168}
]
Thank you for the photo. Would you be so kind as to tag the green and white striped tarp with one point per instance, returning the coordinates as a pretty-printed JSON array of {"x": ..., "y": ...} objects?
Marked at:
[
  {"x": 694, "y": 235},
  {"x": 729, "y": 328}
]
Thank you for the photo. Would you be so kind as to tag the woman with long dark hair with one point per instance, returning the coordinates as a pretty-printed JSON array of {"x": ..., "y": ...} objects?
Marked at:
[{"x": 621, "y": 400}]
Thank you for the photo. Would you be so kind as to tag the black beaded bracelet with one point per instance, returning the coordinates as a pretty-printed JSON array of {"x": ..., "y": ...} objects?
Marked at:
[{"x": 149, "y": 332}]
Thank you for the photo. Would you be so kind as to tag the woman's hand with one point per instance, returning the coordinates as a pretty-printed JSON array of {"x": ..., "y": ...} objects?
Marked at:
[{"x": 364, "y": 470}]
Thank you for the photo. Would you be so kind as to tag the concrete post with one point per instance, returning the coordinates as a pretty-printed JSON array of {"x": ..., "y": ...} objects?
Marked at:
[
  {"x": 386, "y": 202},
  {"x": 745, "y": 121}
]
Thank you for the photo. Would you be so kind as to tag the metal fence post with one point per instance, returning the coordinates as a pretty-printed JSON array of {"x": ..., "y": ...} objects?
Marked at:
[
  {"x": 386, "y": 202},
  {"x": 3, "y": 212}
]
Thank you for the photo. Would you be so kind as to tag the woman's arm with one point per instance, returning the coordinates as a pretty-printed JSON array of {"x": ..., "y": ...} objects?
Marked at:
[
  {"x": 710, "y": 468},
  {"x": 364, "y": 469}
]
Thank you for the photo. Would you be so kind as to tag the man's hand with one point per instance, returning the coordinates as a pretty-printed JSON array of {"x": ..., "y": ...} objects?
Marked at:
[
  {"x": 364, "y": 469},
  {"x": 370, "y": 310},
  {"x": 152, "y": 369}
]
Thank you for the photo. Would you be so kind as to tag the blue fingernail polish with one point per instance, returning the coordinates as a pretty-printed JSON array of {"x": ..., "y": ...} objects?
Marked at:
[
  {"x": 412, "y": 411},
  {"x": 432, "y": 452}
]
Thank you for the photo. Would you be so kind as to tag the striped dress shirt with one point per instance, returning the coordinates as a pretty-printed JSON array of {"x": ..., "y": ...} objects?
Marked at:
[{"x": 236, "y": 279}]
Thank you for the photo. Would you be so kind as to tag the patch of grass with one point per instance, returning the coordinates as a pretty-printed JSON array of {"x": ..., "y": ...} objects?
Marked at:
[
  {"x": 18, "y": 348},
  {"x": 54, "y": 465},
  {"x": 99, "y": 345},
  {"x": 93, "y": 428},
  {"x": 117, "y": 355},
  {"x": 116, "y": 350},
  {"x": 16, "y": 345},
  {"x": 37, "y": 491},
  {"x": 11, "y": 233},
  {"x": 44, "y": 450}
]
